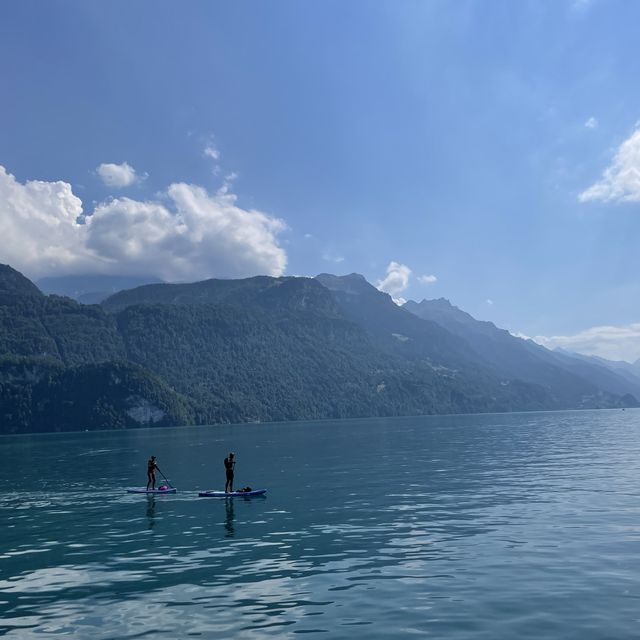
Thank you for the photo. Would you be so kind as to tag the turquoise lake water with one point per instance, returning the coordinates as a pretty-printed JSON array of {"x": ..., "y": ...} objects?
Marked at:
[{"x": 483, "y": 526}]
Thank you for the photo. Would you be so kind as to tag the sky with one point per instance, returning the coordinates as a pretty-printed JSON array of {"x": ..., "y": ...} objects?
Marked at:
[{"x": 485, "y": 152}]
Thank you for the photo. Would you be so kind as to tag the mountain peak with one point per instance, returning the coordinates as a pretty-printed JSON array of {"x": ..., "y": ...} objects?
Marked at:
[
  {"x": 438, "y": 306},
  {"x": 441, "y": 303},
  {"x": 354, "y": 283},
  {"x": 444, "y": 313}
]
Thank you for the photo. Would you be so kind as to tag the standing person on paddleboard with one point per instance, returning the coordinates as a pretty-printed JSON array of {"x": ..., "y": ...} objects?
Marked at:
[
  {"x": 229, "y": 464},
  {"x": 151, "y": 472}
]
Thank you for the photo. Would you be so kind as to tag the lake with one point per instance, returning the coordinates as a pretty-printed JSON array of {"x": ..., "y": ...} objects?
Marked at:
[{"x": 480, "y": 526}]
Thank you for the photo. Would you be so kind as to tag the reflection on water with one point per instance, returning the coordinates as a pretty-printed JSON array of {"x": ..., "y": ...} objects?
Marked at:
[
  {"x": 229, "y": 517},
  {"x": 151, "y": 511},
  {"x": 519, "y": 526}
]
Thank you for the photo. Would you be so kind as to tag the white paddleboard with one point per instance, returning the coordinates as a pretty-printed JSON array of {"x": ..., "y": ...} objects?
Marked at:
[{"x": 151, "y": 491}]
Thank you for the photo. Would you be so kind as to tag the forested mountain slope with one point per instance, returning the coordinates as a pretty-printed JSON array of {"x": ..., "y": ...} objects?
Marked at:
[{"x": 259, "y": 349}]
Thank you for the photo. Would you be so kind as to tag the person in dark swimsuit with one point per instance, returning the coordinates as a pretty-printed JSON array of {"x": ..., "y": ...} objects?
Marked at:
[
  {"x": 151, "y": 472},
  {"x": 229, "y": 464}
]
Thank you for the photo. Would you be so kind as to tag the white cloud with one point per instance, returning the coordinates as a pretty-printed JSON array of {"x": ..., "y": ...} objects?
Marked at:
[
  {"x": 117, "y": 175},
  {"x": 489, "y": 301},
  {"x": 191, "y": 234},
  {"x": 397, "y": 279},
  {"x": 199, "y": 235},
  {"x": 39, "y": 228},
  {"x": 621, "y": 180},
  {"x": 427, "y": 279},
  {"x": 591, "y": 123},
  {"x": 211, "y": 152},
  {"x": 613, "y": 343}
]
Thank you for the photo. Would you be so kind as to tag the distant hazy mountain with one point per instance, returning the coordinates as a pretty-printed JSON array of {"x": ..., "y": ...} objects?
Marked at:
[
  {"x": 91, "y": 289},
  {"x": 394, "y": 328},
  {"x": 630, "y": 370},
  {"x": 258, "y": 349},
  {"x": 525, "y": 359}
]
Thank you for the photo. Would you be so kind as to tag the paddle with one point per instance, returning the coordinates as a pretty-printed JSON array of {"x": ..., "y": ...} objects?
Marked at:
[{"x": 165, "y": 477}]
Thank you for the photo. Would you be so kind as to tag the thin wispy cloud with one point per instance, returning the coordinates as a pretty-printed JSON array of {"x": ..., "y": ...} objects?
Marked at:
[
  {"x": 610, "y": 342},
  {"x": 591, "y": 123},
  {"x": 186, "y": 234},
  {"x": 211, "y": 152},
  {"x": 621, "y": 180},
  {"x": 427, "y": 279},
  {"x": 118, "y": 175},
  {"x": 328, "y": 256}
]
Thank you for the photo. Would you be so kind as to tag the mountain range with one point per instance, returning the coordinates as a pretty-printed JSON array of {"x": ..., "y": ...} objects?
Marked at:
[{"x": 270, "y": 349}]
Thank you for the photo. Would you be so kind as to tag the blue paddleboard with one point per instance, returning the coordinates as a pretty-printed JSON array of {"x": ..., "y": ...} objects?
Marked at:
[{"x": 232, "y": 494}]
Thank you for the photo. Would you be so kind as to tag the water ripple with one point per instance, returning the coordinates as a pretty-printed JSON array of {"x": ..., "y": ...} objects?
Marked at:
[{"x": 464, "y": 526}]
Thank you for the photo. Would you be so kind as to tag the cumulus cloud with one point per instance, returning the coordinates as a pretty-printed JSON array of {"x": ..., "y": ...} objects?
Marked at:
[
  {"x": 118, "y": 175},
  {"x": 396, "y": 280},
  {"x": 189, "y": 234},
  {"x": 591, "y": 123},
  {"x": 611, "y": 342},
  {"x": 431, "y": 279},
  {"x": 39, "y": 226},
  {"x": 621, "y": 180}
]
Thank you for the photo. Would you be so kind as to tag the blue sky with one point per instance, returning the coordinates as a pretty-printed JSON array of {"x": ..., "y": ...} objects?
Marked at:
[{"x": 479, "y": 151}]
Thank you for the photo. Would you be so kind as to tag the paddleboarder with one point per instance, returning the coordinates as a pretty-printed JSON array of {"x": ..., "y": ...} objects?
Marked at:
[
  {"x": 229, "y": 464},
  {"x": 151, "y": 472}
]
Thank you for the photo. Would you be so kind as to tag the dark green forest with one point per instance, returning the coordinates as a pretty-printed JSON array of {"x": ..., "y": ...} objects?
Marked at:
[{"x": 261, "y": 349}]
